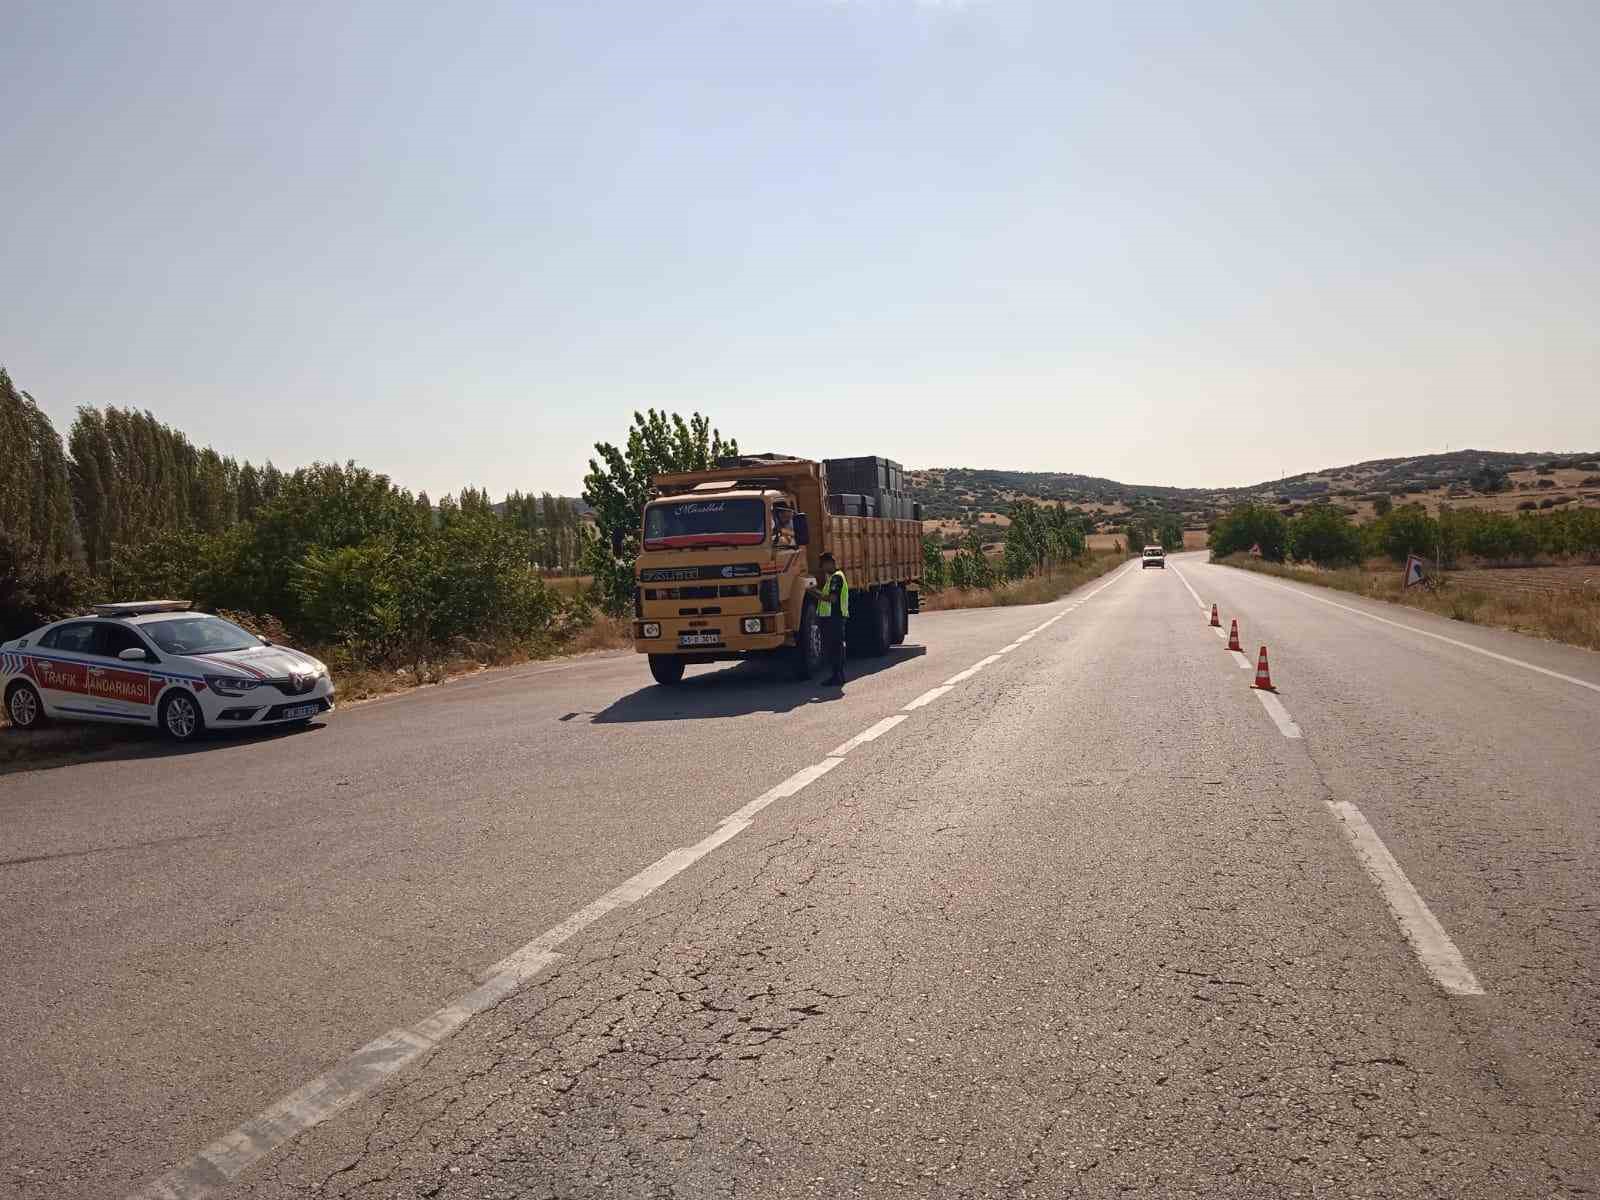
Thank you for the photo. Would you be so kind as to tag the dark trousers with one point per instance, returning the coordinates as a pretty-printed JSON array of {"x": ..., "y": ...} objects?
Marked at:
[{"x": 833, "y": 646}]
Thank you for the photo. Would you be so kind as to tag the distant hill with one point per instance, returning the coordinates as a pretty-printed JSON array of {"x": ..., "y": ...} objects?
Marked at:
[{"x": 954, "y": 497}]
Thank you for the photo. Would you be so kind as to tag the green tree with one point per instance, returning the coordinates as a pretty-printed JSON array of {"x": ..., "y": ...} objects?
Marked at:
[
  {"x": 618, "y": 483},
  {"x": 935, "y": 575},
  {"x": 1249, "y": 525},
  {"x": 1322, "y": 534},
  {"x": 35, "y": 486}
]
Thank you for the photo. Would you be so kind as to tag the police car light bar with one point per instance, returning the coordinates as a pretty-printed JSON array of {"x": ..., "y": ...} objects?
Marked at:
[{"x": 139, "y": 608}]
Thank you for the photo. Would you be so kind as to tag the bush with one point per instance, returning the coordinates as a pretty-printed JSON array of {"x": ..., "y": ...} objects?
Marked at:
[
  {"x": 34, "y": 594},
  {"x": 1406, "y": 530},
  {"x": 1323, "y": 535},
  {"x": 1527, "y": 505},
  {"x": 1250, "y": 525}
]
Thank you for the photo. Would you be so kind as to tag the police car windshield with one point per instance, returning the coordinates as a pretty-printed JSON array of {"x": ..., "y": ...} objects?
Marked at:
[
  {"x": 198, "y": 635},
  {"x": 701, "y": 522}
]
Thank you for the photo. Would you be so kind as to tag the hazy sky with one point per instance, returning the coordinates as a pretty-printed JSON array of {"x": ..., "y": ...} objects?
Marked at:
[{"x": 1184, "y": 243}]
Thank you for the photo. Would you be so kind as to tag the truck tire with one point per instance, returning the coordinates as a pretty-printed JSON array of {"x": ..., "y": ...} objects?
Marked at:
[
  {"x": 902, "y": 616},
  {"x": 667, "y": 669},
  {"x": 805, "y": 657},
  {"x": 874, "y": 627}
]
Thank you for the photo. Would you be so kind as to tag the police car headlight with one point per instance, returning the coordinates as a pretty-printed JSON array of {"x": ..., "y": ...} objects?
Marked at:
[
  {"x": 650, "y": 629},
  {"x": 752, "y": 624},
  {"x": 230, "y": 685}
]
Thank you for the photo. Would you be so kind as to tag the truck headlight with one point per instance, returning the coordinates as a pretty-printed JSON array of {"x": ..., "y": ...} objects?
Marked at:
[
  {"x": 752, "y": 624},
  {"x": 651, "y": 629}
]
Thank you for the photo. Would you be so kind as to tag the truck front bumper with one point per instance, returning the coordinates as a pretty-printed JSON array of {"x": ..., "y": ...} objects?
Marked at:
[{"x": 711, "y": 637}]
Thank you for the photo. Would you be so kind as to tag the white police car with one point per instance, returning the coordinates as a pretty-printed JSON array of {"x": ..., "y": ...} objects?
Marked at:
[{"x": 158, "y": 663}]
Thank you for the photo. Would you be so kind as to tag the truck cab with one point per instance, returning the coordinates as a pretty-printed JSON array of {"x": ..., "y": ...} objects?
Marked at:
[{"x": 723, "y": 573}]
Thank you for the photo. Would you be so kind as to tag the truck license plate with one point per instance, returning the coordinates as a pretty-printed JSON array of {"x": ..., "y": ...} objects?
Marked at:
[{"x": 710, "y": 638}]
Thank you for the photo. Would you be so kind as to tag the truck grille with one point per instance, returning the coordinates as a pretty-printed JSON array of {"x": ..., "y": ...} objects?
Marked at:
[{"x": 701, "y": 592}]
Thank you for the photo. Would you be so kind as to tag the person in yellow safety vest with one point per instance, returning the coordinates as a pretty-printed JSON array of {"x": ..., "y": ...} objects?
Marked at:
[{"x": 833, "y": 607}]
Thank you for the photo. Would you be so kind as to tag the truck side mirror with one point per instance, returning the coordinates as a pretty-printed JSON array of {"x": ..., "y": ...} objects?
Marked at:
[
  {"x": 802, "y": 529},
  {"x": 616, "y": 543}
]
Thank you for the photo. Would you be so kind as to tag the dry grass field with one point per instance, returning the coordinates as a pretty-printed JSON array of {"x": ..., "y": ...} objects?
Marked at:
[{"x": 1561, "y": 603}]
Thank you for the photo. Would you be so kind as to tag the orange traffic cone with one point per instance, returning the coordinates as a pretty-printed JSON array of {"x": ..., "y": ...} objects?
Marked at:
[
  {"x": 1233, "y": 637},
  {"x": 1263, "y": 676},
  {"x": 1215, "y": 620}
]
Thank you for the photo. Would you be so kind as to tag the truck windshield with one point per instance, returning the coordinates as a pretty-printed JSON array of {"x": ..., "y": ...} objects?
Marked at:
[{"x": 705, "y": 523}]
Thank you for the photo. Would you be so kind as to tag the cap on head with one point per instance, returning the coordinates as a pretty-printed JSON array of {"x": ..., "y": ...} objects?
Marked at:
[{"x": 827, "y": 556}]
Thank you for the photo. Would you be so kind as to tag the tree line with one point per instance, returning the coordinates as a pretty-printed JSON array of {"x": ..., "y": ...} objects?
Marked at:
[
  {"x": 1324, "y": 534},
  {"x": 1039, "y": 539},
  {"x": 130, "y": 508}
]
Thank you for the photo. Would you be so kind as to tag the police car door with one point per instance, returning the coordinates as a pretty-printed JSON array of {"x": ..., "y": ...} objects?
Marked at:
[
  {"x": 60, "y": 666},
  {"x": 115, "y": 684}
]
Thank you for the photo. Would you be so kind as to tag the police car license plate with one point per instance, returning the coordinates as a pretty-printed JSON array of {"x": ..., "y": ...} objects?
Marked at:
[
  {"x": 709, "y": 638},
  {"x": 303, "y": 710}
]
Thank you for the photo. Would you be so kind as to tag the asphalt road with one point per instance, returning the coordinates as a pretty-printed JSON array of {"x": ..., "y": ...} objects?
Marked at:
[{"x": 1088, "y": 922}]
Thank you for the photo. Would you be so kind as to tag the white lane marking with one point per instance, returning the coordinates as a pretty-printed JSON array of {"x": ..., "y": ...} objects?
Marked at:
[
  {"x": 963, "y": 676},
  {"x": 1025, "y": 637},
  {"x": 1432, "y": 945},
  {"x": 213, "y": 1168},
  {"x": 1439, "y": 637},
  {"x": 1219, "y": 631},
  {"x": 1279, "y": 714},
  {"x": 791, "y": 785},
  {"x": 1008, "y": 649},
  {"x": 1242, "y": 659},
  {"x": 928, "y": 697},
  {"x": 1192, "y": 592},
  {"x": 868, "y": 735}
]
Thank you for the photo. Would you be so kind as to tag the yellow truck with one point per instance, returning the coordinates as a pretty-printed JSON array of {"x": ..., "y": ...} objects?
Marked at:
[{"x": 728, "y": 556}]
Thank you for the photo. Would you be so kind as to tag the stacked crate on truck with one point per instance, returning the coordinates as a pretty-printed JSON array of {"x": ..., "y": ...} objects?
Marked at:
[{"x": 869, "y": 487}]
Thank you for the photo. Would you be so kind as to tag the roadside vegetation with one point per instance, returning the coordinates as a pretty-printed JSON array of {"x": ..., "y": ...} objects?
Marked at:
[
  {"x": 390, "y": 588},
  {"x": 1477, "y": 561}
]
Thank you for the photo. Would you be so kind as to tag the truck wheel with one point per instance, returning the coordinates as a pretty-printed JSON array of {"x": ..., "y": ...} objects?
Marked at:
[
  {"x": 877, "y": 625},
  {"x": 806, "y": 656},
  {"x": 902, "y": 616},
  {"x": 667, "y": 669}
]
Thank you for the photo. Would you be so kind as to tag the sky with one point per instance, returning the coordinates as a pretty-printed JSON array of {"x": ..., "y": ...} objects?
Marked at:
[{"x": 1194, "y": 244}]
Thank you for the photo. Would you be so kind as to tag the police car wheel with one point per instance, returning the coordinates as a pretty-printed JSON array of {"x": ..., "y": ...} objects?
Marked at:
[
  {"x": 23, "y": 707},
  {"x": 180, "y": 717}
]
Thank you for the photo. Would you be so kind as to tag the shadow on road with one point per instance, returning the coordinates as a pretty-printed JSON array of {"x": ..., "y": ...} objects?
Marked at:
[
  {"x": 64, "y": 744},
  {"x": 738, "y": 689}
]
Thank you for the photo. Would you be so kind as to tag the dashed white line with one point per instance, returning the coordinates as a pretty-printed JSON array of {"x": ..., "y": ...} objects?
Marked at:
[
  {"x": 1219, "y": 631},
  {"x": 1279, "y": 714},
  {"x": 1438, "y": 637},
  {"x": 214, "y": 1167},
  {"x": 1432, "y": 945},
  {"x": 1242, "y": 659},
  {"x": 928, "y": 697},
  {"x": 868, "y": 735},
  {"x": 963, "y": 676}
]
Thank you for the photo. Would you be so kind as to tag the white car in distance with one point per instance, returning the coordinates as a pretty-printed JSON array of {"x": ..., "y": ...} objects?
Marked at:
[
  {"x": 159, "y": 663},
  {"x": 1154, "y": 556}
]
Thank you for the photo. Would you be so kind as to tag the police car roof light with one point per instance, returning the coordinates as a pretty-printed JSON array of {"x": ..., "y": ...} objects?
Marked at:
[{"x": 139, "y": 608}]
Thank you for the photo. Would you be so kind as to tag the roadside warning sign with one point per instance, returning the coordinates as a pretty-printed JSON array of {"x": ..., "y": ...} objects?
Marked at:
[{"x": 1414, "y": 572}]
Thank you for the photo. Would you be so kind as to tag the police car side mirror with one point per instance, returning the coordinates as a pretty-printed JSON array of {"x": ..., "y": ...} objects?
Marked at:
[
  {"x": 802, "y": 530},
  {"x": 134, "y": 654}
]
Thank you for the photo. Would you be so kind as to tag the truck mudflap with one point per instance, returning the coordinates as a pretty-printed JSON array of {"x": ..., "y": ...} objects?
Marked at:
[{"x": 913, "y": 601}]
